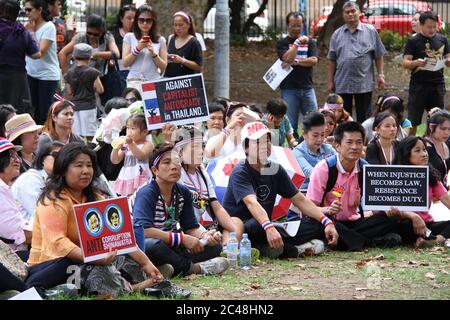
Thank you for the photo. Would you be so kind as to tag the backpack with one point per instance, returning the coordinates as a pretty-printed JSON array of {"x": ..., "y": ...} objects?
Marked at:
[{"x": 333, "y": 174}]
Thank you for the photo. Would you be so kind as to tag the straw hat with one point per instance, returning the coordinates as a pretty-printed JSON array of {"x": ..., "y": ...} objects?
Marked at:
[{"x": 20, "y": 124}]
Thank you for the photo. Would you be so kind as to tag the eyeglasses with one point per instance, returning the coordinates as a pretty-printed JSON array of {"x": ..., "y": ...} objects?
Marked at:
[
  {"x": 92, "y": 34},
  {"x": 28, "y": 10},
  {"x": 14, "y": 155},
  {"x": 144, "y": 20},
  {"x": 132, "y": 99}
]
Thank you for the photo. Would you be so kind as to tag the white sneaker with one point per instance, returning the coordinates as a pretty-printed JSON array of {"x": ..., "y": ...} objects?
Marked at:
[
  {"x": 311, "y": 248},
  {"x": 447, "y": 243},
  {"x": 214, "y": 266}
]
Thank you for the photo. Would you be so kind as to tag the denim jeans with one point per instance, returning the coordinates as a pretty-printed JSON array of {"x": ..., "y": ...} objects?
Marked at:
[
  {"x": 298, "y": 100},
  {"x": 42, "y": 92}
]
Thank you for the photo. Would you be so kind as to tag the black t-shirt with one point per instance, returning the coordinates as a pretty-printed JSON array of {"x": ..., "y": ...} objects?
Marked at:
[
  {"x": 245, "y": 180},
  {"x": 421, "y": 47},
  {"x": 190, "y": 51},
  {"x": 300, "y": 77},
  {"x": 81, "y": 80}
]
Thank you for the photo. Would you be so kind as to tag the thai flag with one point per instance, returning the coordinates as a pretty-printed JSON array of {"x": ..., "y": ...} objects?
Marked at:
[
  {"x": 151, "y": 103},
  {"x": 220, "y": 170}
]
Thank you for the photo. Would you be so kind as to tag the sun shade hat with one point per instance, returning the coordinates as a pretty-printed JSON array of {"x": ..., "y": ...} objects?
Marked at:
[
  {"x": 20, "y": 124},
  {"x": 6, "y": 145},
  {"x": 254, "y": 131}
]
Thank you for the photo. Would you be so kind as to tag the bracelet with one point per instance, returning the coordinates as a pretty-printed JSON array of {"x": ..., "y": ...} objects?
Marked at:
[
  {"x": 267, "y": 225},
  {"x": 175, "y": 239},
  {"x": 226, "y": 131},
  {"x": 135, "y": 51},
  {"x": 325, "y": 221},
  {"x": 381, "y": 75}
]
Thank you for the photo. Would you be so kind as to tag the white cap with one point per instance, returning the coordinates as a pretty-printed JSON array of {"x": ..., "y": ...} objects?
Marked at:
[{"x": 254, "y": 131}]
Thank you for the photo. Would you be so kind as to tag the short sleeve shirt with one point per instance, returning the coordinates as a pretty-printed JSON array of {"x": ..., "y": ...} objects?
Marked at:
[
  {"x": 47, "y": 67},
  {"x": 435, "y": 193},
  {"x": 300, "y": 77},
  {"x": 354, "y": 53},
  {"x": 81, "y": 80},
  {"x": 285, "y": 128},
  {"x": 98, "y": 64},
  {"x": 149, "y": 209},
  {"x": 421, "y": 47},
  {"x": 245, "y": 181},
  {"x": 190, "y": 51}
]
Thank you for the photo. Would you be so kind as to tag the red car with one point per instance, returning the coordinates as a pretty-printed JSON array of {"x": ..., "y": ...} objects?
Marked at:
[{"x": 384, "y": 15}]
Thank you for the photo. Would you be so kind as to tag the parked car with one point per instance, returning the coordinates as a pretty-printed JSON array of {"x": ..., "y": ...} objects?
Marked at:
[{"x": 385, "y": 15}]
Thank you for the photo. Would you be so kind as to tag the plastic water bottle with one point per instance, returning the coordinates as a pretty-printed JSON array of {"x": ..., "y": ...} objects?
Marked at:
[
  {"x": 245, "y": 257},
  {"x": 232, "y": 250}
]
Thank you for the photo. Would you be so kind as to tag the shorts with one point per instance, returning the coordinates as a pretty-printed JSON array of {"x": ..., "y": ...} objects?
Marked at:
[
  {"x": 85, "y": 122},
  {"x": 424, "y": 97}
]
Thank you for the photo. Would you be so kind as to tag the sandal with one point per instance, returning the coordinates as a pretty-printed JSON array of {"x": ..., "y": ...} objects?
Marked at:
[{"x": 167, "y": 289}]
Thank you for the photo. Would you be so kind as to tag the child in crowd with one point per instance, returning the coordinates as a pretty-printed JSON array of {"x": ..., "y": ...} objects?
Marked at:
[
  {"x": 335, "y": 103},
  {"x": 82, "y": 82},
  {"x": 136, "y": 150},
  {"x": 276, "y": 119}
]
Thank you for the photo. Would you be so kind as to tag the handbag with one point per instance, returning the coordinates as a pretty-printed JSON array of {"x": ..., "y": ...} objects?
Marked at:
[
  {"x": 112, "y": 81},
  {"x": 12, "y": 262}
]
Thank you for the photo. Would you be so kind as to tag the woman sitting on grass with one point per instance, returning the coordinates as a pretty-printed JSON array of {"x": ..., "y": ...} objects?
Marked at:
[{"x": 416, "y": 226}]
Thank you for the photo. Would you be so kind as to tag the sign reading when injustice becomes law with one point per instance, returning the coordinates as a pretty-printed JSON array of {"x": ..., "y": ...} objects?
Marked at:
[
  {"x": 104, "y": 226},
  {"x": 394, "y": 186},
  {"x": 178, "y": 100}
]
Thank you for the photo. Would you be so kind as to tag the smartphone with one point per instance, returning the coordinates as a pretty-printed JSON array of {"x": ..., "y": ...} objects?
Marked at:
[{"x": 146, "y": 38}]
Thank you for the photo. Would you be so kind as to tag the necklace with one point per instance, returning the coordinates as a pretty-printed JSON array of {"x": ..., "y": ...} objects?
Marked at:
[{"x": 198, "y": 188}]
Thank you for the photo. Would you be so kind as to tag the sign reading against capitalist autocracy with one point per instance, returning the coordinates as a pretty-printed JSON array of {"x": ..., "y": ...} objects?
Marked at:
[
  {"x": 178, "y": 100},
  {"x": 104, "y": 226},
  {"x": 394, "y": 186}
]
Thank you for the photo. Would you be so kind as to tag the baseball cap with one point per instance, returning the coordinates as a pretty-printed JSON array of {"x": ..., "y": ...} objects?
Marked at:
[
  {"x": 254, "y": 131},
  {"x": 82, "y": 51}
]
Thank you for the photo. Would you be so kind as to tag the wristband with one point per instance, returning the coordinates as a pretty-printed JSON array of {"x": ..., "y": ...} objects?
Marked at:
[
  {"x": 267, "y": 225},
  {"x": 135, "y": 51},
  {"x": 325, "y": 221},
  {"x": 175, "y": 239}
]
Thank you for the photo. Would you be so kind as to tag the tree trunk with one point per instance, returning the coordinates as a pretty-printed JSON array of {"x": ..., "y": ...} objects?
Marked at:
[
  {"x": 334, "y": 21},
  {"x": 253, "y": 15}
]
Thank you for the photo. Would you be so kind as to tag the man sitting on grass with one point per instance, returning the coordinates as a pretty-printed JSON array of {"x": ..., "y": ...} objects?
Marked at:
[{"x": 251, "y": 193}]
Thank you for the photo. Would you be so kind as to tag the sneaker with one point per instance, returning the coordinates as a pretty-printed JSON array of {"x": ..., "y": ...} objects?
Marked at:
[
  {"x": 389, "y": 240},
  {"x": 167, "y": 289},
  {"x": 269, "y": 252},
  {"x": 214, "y": 266},
  {"x": 67, "y": 289},
  {"x": 166, "y": 270},
  {"x": 311, "y": 248}
]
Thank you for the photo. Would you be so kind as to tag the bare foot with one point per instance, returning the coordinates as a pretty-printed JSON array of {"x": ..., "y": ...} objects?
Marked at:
[{"x": 422, "y": 243}]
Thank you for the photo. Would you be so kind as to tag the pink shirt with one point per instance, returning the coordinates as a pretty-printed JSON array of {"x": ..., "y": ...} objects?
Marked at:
[
  {"x": 348, "y": 182},
  {"x": 12, "y": 223},
  {"x": 435, "y": 193}
]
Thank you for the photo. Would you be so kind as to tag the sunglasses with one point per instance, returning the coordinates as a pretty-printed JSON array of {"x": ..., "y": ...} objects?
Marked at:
[
  {"x": 143, "y": 20},
  {"x": 28, "y": 10},
  {"x": 133, "y": 99},
  {"x": 92, "y": 34}
]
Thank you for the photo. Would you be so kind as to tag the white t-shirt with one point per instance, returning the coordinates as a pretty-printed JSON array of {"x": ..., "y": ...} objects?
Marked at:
[
  {"x": 144, "y": 64},
  {"x": 47, "y": 67}
]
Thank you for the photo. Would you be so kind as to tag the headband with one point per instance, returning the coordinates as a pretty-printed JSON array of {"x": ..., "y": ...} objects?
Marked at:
[
  {"x": 181, "y": 13},
  {"x": 333, "y": 106},
  {"x": 158, "y": 158},
  {"x": 59, "y": 102},
  {"x": 390, "y": 98},
  {"x": 185, "y": 142}
]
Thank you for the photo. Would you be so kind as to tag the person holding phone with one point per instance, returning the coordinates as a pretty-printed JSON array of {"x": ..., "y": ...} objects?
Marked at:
[
  {"x": 144, "y": 50},
  {"x": 185, "y": 52}
]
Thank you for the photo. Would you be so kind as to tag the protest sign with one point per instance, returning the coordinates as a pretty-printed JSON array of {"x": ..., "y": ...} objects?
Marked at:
[
  {"x": 276, "y": 74},
  {"x": 104, "y": 226},
  {"x": 394, "y": 186},
  {"x": 178, "y": 100}
]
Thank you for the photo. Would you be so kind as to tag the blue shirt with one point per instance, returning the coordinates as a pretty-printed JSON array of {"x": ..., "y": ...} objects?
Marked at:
[
  {"x": 308, "y": 159},
  {"x": 285, "y": 128},
  {"x": 149, "y": 208},
  {"x": 245, "y": 181}
]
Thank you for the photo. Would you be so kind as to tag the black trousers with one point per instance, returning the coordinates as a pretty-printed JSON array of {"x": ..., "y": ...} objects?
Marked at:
[
  {"x": 406, "y": 230},
  {"x": 363, "y": 104},
  {"x": 8, "y": 281},
  {"x": 309, "y": 229},
  {"x": 356, "y": 235},
  {"x": 14, "y": 90},
  {"x": 181, "y": 260}
]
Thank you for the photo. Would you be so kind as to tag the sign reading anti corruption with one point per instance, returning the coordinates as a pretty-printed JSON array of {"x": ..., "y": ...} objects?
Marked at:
[
  {"x": 178, "y": 100},
  {"x": 104, "y": 226},
  {"x": 395, "y": 186}
]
